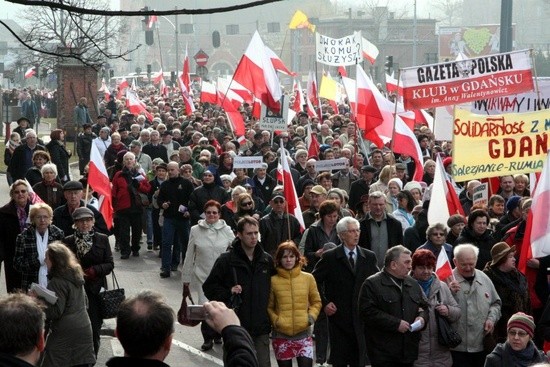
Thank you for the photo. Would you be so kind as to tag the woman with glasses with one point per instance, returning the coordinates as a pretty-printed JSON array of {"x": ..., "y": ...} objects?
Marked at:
[
  {"x": 31, "y": 245},
  {"x": 441, "y": 301},
  {"x": 436, "y": 235},
  {"x": 510, "y": 284},
  {"x": 207, "y": 240},
  {"x": 245, "y": 206},
  {"x": 518, "y": 349},
  {"x": 13, "y": 217}
]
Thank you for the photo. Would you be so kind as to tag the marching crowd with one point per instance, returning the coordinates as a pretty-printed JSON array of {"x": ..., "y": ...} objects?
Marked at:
[{"x": 356, "y": 286}]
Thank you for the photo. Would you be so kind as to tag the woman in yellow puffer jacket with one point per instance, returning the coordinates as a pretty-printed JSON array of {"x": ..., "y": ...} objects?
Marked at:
[{"x": 294, "y": 304}]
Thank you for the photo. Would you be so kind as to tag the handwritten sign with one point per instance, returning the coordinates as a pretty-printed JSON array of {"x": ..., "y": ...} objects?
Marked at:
[
  {"x": 272, "y": 121},
  {"x": 480, "y": 196},
  {"x": 339, "y": 51}
]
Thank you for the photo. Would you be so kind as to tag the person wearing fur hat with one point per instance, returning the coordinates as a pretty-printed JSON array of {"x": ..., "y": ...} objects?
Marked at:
[
  {"x": 511, "y": 285},
  {"x": 518, "y": 349}
]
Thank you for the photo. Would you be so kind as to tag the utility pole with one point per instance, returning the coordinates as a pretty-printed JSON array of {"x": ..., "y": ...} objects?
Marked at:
[
  {"x": 506, "y": 25},
  {"x": 415, "y": 41},
  {"x": 177, "y": 44}
]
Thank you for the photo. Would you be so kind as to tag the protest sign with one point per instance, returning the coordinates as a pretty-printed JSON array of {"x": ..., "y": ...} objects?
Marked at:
[
  {"x": 480, "y": 196},
  {"x": 339, "y": 51},
  {"x": 247, "y": 162},
  {"x": 272, "y": 121},
  {"x": 467, "y": 80},
  {"x": 330, "y": 164},
  {"x": 497, "y": 145}
]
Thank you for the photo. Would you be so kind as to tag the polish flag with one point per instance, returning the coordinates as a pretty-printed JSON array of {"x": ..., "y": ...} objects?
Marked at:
[
  {"x": 105, "y": 90},
  {"x": 424, "y": 118},
  {"x": 313, "y": 96},
  {"x": 152, "y": 20},
  {"x": 122, "y": 88},
  {"x": 233, "y": 115},
  {"x": 370, "y": 51},
  {"x": 367, "y": 113},
  {"x": 98, "y": 179},
  {"x": 393, "y": 86},
  {"x": 444, "y": 201},
  {"x": 184, "y": 81},
  {"x": 313, "y": 147},
  {"x": 158, "y": 77},
  {"x": 443, "y": 268},
  {"x": 293, "y": 205},
  {"x": 241, "y": 91},
  {"x": 136, "y": 106},
  {"x": 405, "y": 142},
  {"x": 209, "y": 93},
  {"x": 299, "y": 102},
  {"x": 163, "y": 89},
  {"x": 225, "y": 92},
  {"x": 30, "y": 72},
  {"x": 256, "y": 73},
  {"x": 342, "y": 71},
  {"x": 277, "y": 62}
]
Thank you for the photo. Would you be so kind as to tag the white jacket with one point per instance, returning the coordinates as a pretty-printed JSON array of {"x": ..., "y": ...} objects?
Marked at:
[{"x": 206, "y": 244}]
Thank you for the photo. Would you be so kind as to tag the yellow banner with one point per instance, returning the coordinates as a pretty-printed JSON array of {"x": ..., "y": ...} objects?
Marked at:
[{"x": 497, "y": 145}]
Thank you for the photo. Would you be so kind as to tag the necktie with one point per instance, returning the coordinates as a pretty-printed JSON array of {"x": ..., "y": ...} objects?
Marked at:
[{"x": 351, "y": 260}]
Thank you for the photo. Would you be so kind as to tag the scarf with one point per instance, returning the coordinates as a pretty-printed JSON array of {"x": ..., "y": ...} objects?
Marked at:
[
  {"x": 22, "y": 217},
  {"x": 408, "y": 216},
  {"x": 426, "y": 285},
  {"x": 522, "y": 358},
  {"x": 83, "y": 242}
]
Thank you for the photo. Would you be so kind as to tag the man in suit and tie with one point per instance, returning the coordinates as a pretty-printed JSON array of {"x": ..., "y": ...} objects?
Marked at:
[{"x": 339, "y": 275}]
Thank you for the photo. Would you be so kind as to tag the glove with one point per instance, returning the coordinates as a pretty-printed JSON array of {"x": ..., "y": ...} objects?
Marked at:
[
  {"x": 90, "y": 273},
  {"x": 135, "y": 183}
]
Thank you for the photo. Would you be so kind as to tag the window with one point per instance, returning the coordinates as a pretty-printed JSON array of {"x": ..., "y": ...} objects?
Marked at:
[{"x": 232, "y": 29}]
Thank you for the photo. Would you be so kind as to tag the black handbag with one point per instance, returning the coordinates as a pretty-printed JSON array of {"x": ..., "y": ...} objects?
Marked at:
[
  {"x": 446, "y": 335},
  {"x": 111, "y": 299}
]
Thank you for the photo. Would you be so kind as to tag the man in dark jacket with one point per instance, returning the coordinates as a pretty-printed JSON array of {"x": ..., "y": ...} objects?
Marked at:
[
  {"x": 174, "y": 199},
  {"x": 379, "y": 231},
  {"x": 339, "y": 274},
  {"x": 278, "y": 226},
  {"x": 22, "y": 331},
  {"x": 62, "y": 215},
  {"x": 21, "y": 159},
  {"x": 148, "y": 312},
  {"x": 84, "y": 147},
  {"x": 361, "y": 186},
  {"x": 394, "y": 310},
  {"x": 241, "y": 278}
]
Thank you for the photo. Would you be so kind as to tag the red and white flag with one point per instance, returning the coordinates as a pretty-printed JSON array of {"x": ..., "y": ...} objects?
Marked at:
[
  {"x": 277, "y": 62},
  {"x": 98, "y": 179},
  {"x": 293, "y": 205},
  {"x": 158, "y": 77},
  {"x": 368, "y": 114},
  {"x": 226, "y": 93},
  {"x": 105, "y": 90},
  {"x": 184, "y": 82},
  {"x": 136, "y": 106},
  {"x": 256, "y": 73},
  {"x": 233, "y": 115},
  {"x": 163, "y": 89},
  {"x": 313, "y": 103},
  {"x": 313, "y": 147},
  {"x": 443, "y": 201},
  {"x": 393, "y": 86},
  {"x": 209, "y": 93},
  {"x": 122, "y": 88},
  {"x": 370, "y": 51},
  {"x": 299, "y": 101},
  {"x": 342, "y": 71},
  {"x": 405, "y": 142},
  {"x": 443, "y": 267},
  {"x": 30, "y": 72}
]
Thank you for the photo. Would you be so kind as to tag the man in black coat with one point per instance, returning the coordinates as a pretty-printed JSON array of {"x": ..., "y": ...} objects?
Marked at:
[
  {"x": 21, "y": 159},
  {"x": 379, "y": 231},
  {"x": 244, "y": 273},
  {"x": 394, "y": 309},
  {"x": 84, "y": 147},
  {"x": 208, "y": 191},
  {"x": 361, "y": 186},
  {"x": 339, "y": 275}
]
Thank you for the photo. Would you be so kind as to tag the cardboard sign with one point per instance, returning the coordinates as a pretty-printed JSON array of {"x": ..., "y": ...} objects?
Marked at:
[
  {"x": 339, "y": 51},
  {"x": 480, "y": 195}
]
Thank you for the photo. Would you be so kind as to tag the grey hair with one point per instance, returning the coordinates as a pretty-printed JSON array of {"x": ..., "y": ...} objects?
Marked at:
[
  {"x": 394, "y": 253},
  {"x": 461, "y": 249},
  {"x": 48, "y": 167},
  {"x": 377, "y": 195},
  {"x": 343, "y": 223}
]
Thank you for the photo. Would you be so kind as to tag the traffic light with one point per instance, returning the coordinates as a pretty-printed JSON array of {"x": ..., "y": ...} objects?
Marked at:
[
  {"x": 389, "y": 64},
  {"x": 216, "y": 39},
  {"x": 145, "y": 19}
]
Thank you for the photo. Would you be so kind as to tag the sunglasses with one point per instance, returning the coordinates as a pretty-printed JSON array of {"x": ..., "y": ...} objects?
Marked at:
[
  {"x": 248, "y": 203},
  {"x": 20, "y": 192}
]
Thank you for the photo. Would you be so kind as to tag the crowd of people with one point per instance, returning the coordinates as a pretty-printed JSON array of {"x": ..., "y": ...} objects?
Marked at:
[{"x": 355, "y": 286}]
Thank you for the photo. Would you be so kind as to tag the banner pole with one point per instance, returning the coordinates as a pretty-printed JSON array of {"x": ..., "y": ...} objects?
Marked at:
[{"x": 395, "y": 112}]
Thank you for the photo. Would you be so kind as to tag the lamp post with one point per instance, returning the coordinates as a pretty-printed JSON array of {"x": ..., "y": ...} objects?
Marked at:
[{"x": 415, "y": 43}]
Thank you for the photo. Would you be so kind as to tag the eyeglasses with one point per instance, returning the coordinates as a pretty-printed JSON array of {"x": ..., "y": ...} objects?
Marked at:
[
  {"x": 20, "y": 192},
  {"x": 211, "y": 213},
  {"x": 248, "y": 203},
  {"x": 520, "y": 333},
  {"x": 353, "y": 230},
  {"x": 42, "y": 217},
  {"x": 438, "y": 234}
]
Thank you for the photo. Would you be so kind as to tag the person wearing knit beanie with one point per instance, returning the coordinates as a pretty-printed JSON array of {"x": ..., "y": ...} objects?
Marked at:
[{"x": 519, "y": 349}]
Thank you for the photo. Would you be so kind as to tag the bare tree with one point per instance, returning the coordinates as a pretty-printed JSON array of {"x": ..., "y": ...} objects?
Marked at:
[
  {"x": 450, "y": 11},
  {"x": 88, "y": 38}
]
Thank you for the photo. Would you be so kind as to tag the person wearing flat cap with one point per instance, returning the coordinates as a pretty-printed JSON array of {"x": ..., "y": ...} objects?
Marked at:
[
  {"x": 62, "y": 215},
  {"x": 361, "y": 186},
  {"x": 518, "y": 349},
  {"x": 93, "y": 252},
  {"x": 510, "y": 284}
]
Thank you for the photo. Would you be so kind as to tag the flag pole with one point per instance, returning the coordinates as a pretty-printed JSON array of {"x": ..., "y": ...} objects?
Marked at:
[
  {"x": 87, "y": 192},
  {"x": 395, "y": 112},
  {"x": 160, "y": 51},
  {"x": 286, "y": 199}
]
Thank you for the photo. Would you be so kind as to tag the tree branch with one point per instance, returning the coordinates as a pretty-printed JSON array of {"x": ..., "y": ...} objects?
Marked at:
[{"x": 115, "y": 13}]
